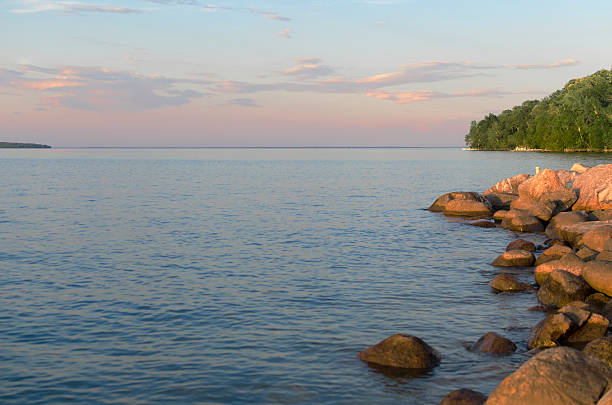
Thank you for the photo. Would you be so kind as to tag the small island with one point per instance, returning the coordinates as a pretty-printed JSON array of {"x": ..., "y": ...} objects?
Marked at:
[
  {"x": 577, "y": 118},
  {"x": 18, "y": 145}
]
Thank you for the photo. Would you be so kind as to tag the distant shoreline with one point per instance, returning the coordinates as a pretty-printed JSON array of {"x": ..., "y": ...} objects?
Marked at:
[
  {"x": 18, "y": 145},
  {"x": 523, "y": 149}
]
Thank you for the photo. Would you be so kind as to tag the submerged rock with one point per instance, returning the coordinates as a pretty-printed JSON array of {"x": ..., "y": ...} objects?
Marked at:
[
  {"x": 521, "y": 244},
  {"x": 562, "y": 287},
  {"x": 555, "y": 376},
  {"x": 402, "y": 351},
  {"x": 463, "y": 396},
  {"x": 483, "y": 223},
  {"x": 507, "y": 283},
  {"x": 494, "y": 344},
  {"x": 514, "y": 258}
]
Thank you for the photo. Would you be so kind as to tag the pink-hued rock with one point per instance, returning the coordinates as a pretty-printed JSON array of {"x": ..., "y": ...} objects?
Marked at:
[
  {"x": 509, "y": 185},
  {"x": 555, "y": 252},
  {"x": 597, "y": 238},
  {"x": 468, "y": 208},
  {"x": 523, "y": 223},
  {"x": 598, "y": 274},
  {"x": 521, "y": 244},
  {"x": 514, "y": 258},
  {"x": 579, "y": 168},
  {"x": 594, "y": 188},
  {"x": 567, "y": 178},
  {"x": 564, "y": 219},
  {"x": 440, "y": 203},
  {"x": 543, "y": 182},
  {"x": 575, "y": 232},
  {"x": 570, "y": 263}
]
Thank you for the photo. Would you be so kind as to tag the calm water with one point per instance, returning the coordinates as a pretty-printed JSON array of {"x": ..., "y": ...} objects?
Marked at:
[{"x": 247, "y": 275}]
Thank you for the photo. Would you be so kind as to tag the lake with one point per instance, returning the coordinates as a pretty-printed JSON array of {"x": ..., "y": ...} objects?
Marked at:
[{"x": 143, "y": 276}]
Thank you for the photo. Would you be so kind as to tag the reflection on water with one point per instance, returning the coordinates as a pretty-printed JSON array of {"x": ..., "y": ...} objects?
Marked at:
[{"x": 256, "y": 275}]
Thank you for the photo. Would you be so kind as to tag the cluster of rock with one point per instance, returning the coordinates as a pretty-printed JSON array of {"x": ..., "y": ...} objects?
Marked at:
[{"x": 573, "y": 278}]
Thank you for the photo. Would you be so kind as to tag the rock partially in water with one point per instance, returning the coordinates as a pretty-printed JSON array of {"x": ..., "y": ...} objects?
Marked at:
[
  {"x": 507, "y": 283},
  {"x": 468, "y": 208},
  {"x": 549, "y": 331},
  {"x": 483, "y": 223},
  {"x": 443, "y": 200},
  {"x": 601, "y": 349},
  {"x": 494, "y": 344},
  {"x": 509, "y": 185},
  {"x": 598, "y": 274},
  {"x": 562, "y": 287},
  {"x": 595, "y": 189},
  {"x": 564, "y": 219},
  {"x": 514, "y": 258},
  {"x": 463, "y": 396},
  {"x": 554, "y": 252},
  {"x": 570, "y": 263},
  {"x": 521, "y": 244},
  {"x": 523, "y": 223},
  {"x": 402, "y": 351},
  {"x": 556, "y": 376}
]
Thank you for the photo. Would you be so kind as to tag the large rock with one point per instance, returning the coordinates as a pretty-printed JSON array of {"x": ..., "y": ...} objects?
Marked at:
[
  {"x": 556, "y": 376},
  {"x": 567, "y": 178},
  {"x": 569, "y": 262},
  {"x": 523, "y": 223},
  {"x": 586, "y": 254},
  {"x": 509, "y": 185},
  {"x": 594, "y": 328},
  {"x": 544, "y": 210},
  {"x": 555, "y": 252},
  {"x": 575, "y": 232},
  {"x": 494, "y": 344},
  {"x": 561, "y": 288},
  {"x": 594, "y": 188},
  {"x": 543, "y": 182},
  {"x": 514, "y": 258},
  {"x": 601, "y": 349},
  {"x": 605, "y": 256},
  {"x": 579, "y": 168},
  {"x": 443, "y": 200},
  {"x": 463, "y": 396},
  {"x": 598, "y": 274},
  {"x": 501, "y": 201},
  {"x": 550, "y": 330},
  {"x": 507, "y": 283},
  {"x": 402, "y": 351},
  {"x": 600, "y": 215},
  {"x": 564, "y": 219},
  {"x": 468, "y": 208},
  {"x": 521, "y": 244},
  {"x": 597, "y": 238}
]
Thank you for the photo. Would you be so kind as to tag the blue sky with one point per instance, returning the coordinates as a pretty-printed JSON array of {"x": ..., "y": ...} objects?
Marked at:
[{"x": 263, "y": 73}]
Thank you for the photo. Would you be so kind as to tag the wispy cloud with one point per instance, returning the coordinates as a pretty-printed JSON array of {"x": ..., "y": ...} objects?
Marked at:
[
  {"x": 562, "y": 63},
  {"x": 69, "y": 7},
  {"x": 424, "y": 95},
  {"x": 286, "y": 33},
  {"x": 309, "y": 68},
  {"x": 100, "y": 89},
  {"x": 268, "y": 14},
  {"x": 271, "y": 15},
  {"x": 243, "y": 102}
]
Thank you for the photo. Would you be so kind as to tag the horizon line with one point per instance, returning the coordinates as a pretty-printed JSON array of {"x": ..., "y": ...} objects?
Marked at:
[{"x": 257, "y": 147}]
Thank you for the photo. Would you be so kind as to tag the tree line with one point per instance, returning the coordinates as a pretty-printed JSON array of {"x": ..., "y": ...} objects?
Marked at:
[{"x": 577, "y": 117}]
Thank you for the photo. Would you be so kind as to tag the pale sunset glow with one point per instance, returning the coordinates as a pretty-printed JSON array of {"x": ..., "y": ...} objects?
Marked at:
[{"x": 283, "y": 73}]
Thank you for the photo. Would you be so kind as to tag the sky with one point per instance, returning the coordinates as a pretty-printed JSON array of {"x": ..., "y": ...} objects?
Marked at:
[{"x": 283, "y": 73}]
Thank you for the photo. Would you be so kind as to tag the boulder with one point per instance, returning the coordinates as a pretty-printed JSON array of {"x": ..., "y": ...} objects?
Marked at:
[
  {"x": 544, "y": 210},
  {"x": 596, "y": 239},
  {"x": 578, "y": 311},
  {"x": 521, "y": 244},
  {"x": 598, "y": 274},
  {"x": 483, "y": 223},
  {"x": 523, "y": 223},
  {"x": 597, "y": 301},
  {"x": 500, "y": 201},
  {"x": 575, "y": 232},
  {"x": 514, "y": 258},
  {"x": 605, "y": 256},
  {"x": 494, "y": 344},
  {"x": 509, "y": 185},
  {"x": 468, "y": 208},
  {"x": 594, "y": 328},
  {"x": 557, "y": 376},
  {"x": 550, "y": 330},
  {"x": 600, "y": 215},
  {"x": 402, "y": 351},
  {"x": 440, "y": 203},
  {"x": 564, "y": 219},
  {"x": 567, "y": 178},
  {"x": 562, "y": 287},
  {"x": 543, "y": 182},
  {"x": 507, "y": 283},
  {"x": 554, "y": 252},
  {"x": 570, "y": 263},
  {"x": 601, "y": 349},
  {"x": 463, "y": 396},
  {"x": 585, "y": 254},
  {"x": 594, "y": 188},
  {"x": 579, "y": 168}
]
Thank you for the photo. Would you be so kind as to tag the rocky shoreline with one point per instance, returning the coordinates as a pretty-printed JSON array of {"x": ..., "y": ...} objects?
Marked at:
[{"x": 571, "y": 351}]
